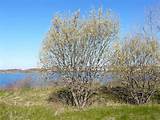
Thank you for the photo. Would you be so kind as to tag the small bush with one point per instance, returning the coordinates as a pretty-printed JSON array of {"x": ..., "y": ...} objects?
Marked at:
[
  {"x": 156, "y": 97},
  {"x": 63, "y": 95},
  {"x": 118, "y": 93}
]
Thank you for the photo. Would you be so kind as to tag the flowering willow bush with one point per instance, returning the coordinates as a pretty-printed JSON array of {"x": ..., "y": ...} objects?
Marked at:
[
  {"x": 79, "y": 48},
  {"x": 136, "y": 62}
]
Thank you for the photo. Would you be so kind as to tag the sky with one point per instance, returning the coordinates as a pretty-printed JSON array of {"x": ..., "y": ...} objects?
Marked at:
[{"x": 25, "y": 23}]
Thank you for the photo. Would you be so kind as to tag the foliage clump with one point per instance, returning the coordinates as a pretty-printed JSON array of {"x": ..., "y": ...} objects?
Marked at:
[{"x": 79, "y": 48}]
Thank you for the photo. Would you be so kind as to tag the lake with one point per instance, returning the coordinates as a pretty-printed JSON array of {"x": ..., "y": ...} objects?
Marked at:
[
  {"x": 36, "y": 78},
  {"x": 7, "y": 79}
]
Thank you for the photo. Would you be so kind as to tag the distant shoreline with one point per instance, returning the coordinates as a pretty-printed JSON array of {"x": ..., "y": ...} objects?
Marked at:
[
  {"x": 20, "y": 70},
  {"x": 54, "y": 69}
]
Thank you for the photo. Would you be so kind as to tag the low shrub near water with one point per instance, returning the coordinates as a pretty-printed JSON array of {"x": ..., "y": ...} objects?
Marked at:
[
  {"x": 122, "y": 95},
  {"x": 156, "y": 97},
  {"x": 64, "y": 95},
  {"x": 104, "y": 95}
]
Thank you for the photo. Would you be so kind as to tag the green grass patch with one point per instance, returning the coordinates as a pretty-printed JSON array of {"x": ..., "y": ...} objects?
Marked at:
[
  {"x": 127, "y": 112},
  {"x": 25, "y": 113},
  {"x": 115, "y": 113},
  {"x": 32, "y": 104}
]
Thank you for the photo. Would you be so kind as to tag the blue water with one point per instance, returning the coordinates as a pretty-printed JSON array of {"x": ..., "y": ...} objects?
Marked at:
[
  {"x": 7, "y": 79},
  {"x": 10, "y": 78},
  {"x": 36, "y": 78}
]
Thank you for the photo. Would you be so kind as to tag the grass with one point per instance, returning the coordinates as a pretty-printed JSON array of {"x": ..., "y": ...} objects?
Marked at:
[
  {"x": 25, "y": 113},
  {"x": 25, "y": 97},
  {"x": 97, "y": 113},
  {"x": 40, "y": 109},
  {"x": 117, "y": 113}
]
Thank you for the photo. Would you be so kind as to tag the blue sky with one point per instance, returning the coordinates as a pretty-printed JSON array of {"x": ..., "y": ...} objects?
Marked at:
[{"x": 24, "y": 24}]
